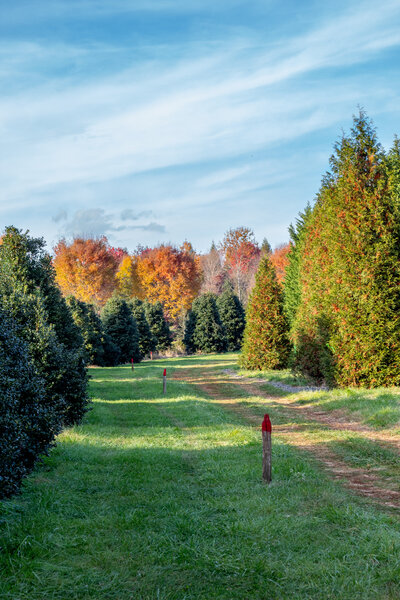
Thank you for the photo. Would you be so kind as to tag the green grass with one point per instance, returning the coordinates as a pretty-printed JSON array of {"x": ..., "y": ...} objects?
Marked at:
[
  {"x": 379, "y": 408},
  {"x": 160, "y": 498}
]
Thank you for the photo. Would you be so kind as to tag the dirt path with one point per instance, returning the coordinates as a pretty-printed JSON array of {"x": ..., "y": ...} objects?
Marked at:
[{"x": 229, "y": 391}]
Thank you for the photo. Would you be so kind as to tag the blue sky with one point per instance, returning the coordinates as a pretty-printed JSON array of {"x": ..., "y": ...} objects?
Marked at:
[{"x": 163, "y": 120}]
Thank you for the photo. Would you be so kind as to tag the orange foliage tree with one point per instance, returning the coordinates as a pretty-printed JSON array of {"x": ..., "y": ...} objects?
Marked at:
[
  {"x": 127, "y": 278},
  {"x": 86, "y": 269},
  {"x": 171, "y": 276},
  {"x": 280, "y": 260},
  {"x": 242, "y": 256}
]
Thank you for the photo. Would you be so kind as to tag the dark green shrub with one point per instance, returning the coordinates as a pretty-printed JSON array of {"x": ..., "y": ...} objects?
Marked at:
[
  {"x": 91, "y": 328},
  {"x": 266, "y": 343},
  {"x": 24, "y": 413},
  {"x": 190, "y": 324},
  {"x": 120, "y": 325}
]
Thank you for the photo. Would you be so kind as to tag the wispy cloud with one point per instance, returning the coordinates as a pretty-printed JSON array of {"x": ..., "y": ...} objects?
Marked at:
[{"x": 179, "y": 108}]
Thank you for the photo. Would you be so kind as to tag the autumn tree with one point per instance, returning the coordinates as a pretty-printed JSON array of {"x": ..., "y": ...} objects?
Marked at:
[
  {"x": 279, "y": 258},
  {"x": 266, "y": 342},
  {"x": 171, "y": 276},
  {"x": 86, "y": 269},
  {"x": 241, "y": 254},
  {"x": 212, "y": 271},
  {"x": 347, "y": 327},
  {"x": 127, "y": 279}
]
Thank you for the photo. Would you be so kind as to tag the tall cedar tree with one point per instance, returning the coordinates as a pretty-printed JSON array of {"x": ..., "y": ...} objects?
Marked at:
[
  {"x": 348, "y": 325},
  {"x": 119, "y": 323},
  {"x": 266, "y": 344},
  {"x": 23, "y": 410},
  {"x": 208, "y": 334},
  {"x": 292, "y": 287},
  {"x": 28, "y": 293},
  {"x": 232, "y": 318},
  {"x": 158, "y": 325},
  {"x": 147, "y": 341}
]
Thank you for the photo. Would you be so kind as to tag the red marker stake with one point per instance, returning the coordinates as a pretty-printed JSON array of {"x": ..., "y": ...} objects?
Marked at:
[
  {"x": 266, "y": 429},
  {"x": 165, "y": 381},
  {"x": 132, "y": 364}
]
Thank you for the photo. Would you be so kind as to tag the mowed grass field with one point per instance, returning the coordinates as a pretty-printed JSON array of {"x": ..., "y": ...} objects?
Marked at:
[{"x": 160, "y": 497}]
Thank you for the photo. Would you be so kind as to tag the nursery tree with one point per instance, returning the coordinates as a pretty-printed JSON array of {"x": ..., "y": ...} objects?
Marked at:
[
  {"x": 208, "y": 335},
  {"x": 232, "y": 318},
  {"x": 158, "y": 325},
  {"x": 28, "y": 293},
  {"x": 348, "y": 324},
  {"x": 119, "y": 323},
  {"x": 147, "y": 341},
  {"x": 266, "y": 344}
]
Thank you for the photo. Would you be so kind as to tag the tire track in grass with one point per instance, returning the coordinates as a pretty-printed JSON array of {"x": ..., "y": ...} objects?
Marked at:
[{"x": 361, "y": 481}]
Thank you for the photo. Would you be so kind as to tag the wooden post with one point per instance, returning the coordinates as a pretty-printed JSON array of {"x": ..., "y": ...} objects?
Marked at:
[
  {"x": 165, "y": 381},
  {"x": 266, "y": 438},
  {"x": 151, "y": 355},
  {"x": 132, "y": 364}
]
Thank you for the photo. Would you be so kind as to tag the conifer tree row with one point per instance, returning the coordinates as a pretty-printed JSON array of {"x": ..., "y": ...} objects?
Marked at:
[{"x": 346, "y": 327}]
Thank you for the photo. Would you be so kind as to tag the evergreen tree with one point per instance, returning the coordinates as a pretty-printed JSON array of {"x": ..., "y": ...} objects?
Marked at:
[
  {"x": 120, "y": 325},
  {"x": 91, "y": 328},
  {"x": 208, "y": 335},
  {"x": 24, "y": 412},
  {"x": 158, "y": 325},
  {"x": 232, "y": 318},
  {"x": 147, "y": 341},
  {"x": 347, "y": 328},
  {"x": 45, "y": 323},
  {"x": 266, "y": 344},
  {"x": 292, "y": 285},
  {"x": 190, "y": 324}
]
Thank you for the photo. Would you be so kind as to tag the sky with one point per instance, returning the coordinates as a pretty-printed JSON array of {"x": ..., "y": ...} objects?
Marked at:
[{"x": 156, "y": 121}]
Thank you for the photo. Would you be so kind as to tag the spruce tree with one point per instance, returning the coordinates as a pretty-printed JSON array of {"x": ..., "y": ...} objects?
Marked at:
[
  {"x": 266, "y": 343},
  {"x": 91, "y": 328},
  {"x": 119, "y": 323},
  {"x": 190, "y": 324},
  {"x": 232, "y": 318},
  {"x": 208, "y": 335},
  {"x": 147, "y": 341},
  {"x": 158, "y": 325}
]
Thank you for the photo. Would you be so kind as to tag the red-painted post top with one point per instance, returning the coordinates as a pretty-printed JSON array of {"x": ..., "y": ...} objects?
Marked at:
[
  {"x": 132, "y": 360},
  {"x": 165, "y": 372},
  {"x": 266, "y": 424}
]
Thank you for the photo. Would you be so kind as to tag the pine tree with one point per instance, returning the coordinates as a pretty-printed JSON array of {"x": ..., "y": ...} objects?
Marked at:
[
  {"x": 208, "y": 335},
  {"x": 120, "y": 325},
  {"x": 232, "y": 318},
  {"x": 147, "y": 341},
  {"x": 266, "y": 344},
  {"x": 158, "y": 325}
]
